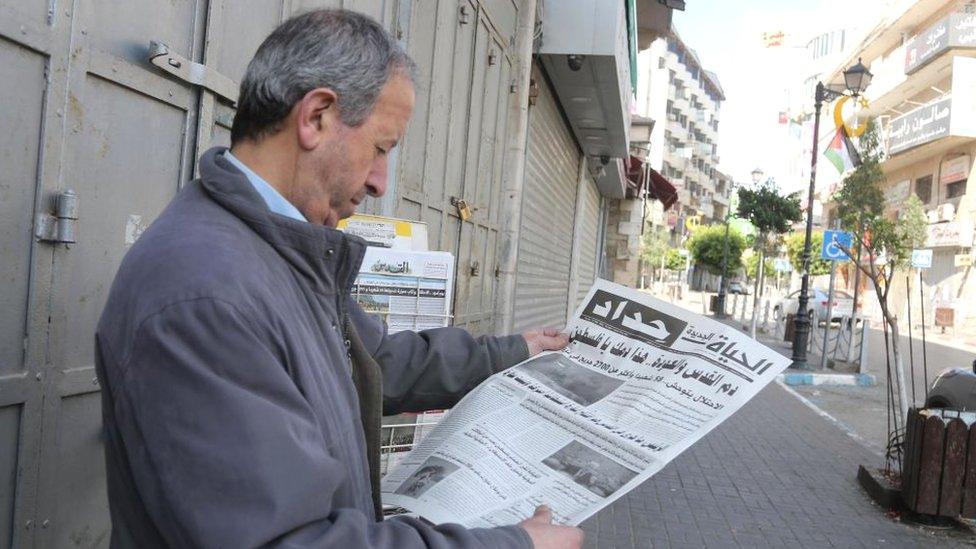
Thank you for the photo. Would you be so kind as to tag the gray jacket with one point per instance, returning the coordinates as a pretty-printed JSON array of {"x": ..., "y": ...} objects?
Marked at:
[{"x": 233, "y": 410}]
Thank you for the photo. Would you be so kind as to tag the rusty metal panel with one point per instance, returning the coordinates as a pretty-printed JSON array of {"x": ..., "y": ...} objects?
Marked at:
[
  {"x": 548, "y": 215},
  {"x": 10, "y": 421},
  {"x": 954, "y": 467}
]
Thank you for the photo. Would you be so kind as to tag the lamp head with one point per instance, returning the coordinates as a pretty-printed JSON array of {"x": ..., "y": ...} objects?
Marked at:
[
  {"x": 757, "y": 175},
  {"x": 857, "y": 78}
]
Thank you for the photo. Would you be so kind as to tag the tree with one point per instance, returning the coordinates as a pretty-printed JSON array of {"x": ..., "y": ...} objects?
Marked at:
[
  {"x": 772, "y": 214},
  {"x": 794, "y": 249},
  {"x": 673, "y": 260},
  {"x": 654, "y": 246},
  {"x": 886, "y": 243},
  {"x": 751, "y": 264},
  {"x": 707, "y": 246}
]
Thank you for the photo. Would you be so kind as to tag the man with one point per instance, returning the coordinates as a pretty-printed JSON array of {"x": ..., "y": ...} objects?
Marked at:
[{"x": 242, "y": 386}]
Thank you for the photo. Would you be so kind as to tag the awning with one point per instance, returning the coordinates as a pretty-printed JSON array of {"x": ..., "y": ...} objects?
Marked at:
[{"x": 639, "y": 175}]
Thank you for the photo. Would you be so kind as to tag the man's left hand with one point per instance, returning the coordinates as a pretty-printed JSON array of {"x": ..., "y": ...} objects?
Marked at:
[{"x": 544, "y": 339}]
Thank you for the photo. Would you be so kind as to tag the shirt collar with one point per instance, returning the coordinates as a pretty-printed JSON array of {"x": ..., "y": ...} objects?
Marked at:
[{"x": 276, "y": 203}]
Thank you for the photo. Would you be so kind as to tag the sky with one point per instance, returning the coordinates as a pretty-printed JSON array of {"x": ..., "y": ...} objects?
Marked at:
[{"x": 727, "y": 35}]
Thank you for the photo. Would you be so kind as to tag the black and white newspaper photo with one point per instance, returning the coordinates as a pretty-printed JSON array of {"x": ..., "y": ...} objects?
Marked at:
[{"x": 639, "y": 383}]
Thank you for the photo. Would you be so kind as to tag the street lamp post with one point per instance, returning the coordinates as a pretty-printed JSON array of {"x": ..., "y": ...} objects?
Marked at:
[
  {"x": 723, "y": 284},
  {"x": 856, "y": 80}
]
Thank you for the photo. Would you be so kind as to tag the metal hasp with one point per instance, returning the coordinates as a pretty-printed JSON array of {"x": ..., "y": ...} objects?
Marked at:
[
  {"x": 60, "y": 227},
  {"x": 192, "y": 72}
]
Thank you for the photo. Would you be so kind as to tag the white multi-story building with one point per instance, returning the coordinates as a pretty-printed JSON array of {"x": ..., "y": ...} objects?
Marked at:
[
  {"x": 685, "y": 100},
  {"x": 923, "y": 57}
]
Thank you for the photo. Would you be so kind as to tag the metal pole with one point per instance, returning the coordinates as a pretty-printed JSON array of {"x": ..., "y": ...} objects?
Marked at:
[
  {"x": 514, "y": 174},
  {"x": 830, "y": 308},
  {"x": 857, "y": 286},
  {"x": 911, "y": 343},
  {"x": 756, "y": 297},
  {"x": 925, "y": 356},
  {"x": 802, "y": 320},
  {"x": 723, "y": 283}
]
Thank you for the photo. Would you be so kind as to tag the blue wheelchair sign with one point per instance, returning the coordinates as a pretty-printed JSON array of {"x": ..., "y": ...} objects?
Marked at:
[{"x": 834, "y": 244}]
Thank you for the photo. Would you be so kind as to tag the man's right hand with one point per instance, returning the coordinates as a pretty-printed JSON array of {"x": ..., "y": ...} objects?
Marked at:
[{"x": 546, "y": 535}]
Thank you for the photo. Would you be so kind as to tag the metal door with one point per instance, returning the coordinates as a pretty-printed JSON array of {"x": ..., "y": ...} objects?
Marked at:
[
  {"x": 454, "y": 147},
  {"x": 85, "y": 110},
  {"x": 33, "y": 49},
  {"x": 548, "y": 215},
  {"x": 125, "y": 151}
]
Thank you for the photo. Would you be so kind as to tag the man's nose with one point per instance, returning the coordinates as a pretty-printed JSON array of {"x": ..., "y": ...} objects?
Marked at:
[{"x": 376, "y": 181}]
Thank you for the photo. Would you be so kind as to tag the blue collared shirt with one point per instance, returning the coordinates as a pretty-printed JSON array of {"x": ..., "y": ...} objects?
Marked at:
[{"x": 276, "y": 203}]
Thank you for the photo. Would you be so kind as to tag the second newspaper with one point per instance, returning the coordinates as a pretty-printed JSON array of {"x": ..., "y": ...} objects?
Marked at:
[{"x": 640, "y": 382}]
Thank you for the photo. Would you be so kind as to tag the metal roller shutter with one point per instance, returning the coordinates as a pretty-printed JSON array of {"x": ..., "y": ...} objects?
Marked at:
[
  {"x": 588, "y": 236},
  {"x": 548, "y": 209}
]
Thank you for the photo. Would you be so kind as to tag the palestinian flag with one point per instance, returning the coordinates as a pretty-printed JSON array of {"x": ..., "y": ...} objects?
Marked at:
[{"x": 841, "y": 152}]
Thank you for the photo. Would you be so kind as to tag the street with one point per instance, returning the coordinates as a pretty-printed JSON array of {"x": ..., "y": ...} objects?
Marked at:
[{"x": 862, "y": 409}]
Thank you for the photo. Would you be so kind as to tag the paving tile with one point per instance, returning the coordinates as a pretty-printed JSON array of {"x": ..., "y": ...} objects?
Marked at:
[{"x": 776, "y": 474}]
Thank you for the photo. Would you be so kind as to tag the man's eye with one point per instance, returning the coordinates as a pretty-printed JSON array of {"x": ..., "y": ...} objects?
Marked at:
[{"x": 380, "y": 151}]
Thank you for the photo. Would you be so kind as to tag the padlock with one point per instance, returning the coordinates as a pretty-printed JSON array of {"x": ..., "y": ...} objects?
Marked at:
[{"x": 464, "y": 211}]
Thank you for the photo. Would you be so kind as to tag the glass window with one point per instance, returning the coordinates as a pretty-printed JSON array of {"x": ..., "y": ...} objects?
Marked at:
[
  {"x": 957, "y": 189},
  {"x": 923, "y": 189}
]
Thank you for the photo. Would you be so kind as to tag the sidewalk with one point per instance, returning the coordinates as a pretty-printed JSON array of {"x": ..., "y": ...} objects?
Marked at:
[{"x": 776, "y": 474}]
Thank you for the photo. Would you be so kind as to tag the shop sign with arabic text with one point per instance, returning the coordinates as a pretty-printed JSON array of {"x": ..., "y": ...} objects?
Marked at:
[
  {"x": 955, "y": 31},
  {"x": 923, "y": 125}
]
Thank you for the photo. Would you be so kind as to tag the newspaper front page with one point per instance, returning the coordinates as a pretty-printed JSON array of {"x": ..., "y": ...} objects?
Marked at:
[
  {"x": 640, "y": 382},
  {"x": 411, "y": 290}
]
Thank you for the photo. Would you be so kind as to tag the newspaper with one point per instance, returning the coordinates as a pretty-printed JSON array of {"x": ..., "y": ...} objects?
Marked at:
[
  {"x": 640, "y": 382},
  {"x": 411, "y": 290}
]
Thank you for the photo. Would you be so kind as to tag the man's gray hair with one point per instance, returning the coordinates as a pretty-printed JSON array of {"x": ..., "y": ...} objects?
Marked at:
[{"x": 338, "y": 49}]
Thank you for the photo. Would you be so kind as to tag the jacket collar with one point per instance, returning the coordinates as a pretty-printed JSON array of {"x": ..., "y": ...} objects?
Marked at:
[{"x": 327, "y": 257}]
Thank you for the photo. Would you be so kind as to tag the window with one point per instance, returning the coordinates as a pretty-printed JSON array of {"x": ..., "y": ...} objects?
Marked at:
[
  {"x": 955, "y": 190},
  {"x": 923, "y": 189},
  {"x": 660, "y": 62}
]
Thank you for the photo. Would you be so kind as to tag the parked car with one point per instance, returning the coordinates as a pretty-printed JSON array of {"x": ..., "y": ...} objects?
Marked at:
[
  {"x": 736, "y": 287},
  {"x": 843, "y": 305},
  {"x": 954, "y": 389}
]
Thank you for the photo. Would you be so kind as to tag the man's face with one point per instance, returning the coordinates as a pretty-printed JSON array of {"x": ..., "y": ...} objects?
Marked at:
[{"x": 352, "y": 162}]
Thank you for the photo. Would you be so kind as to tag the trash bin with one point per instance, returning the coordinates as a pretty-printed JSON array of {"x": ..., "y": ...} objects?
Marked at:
[
  {"x": 788, "y": 332},
  {"x": 713, "y": 304}
]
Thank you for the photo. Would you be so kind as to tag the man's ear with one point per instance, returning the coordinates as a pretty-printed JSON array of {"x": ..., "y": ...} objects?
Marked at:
[{"x": 316, "y": 116}]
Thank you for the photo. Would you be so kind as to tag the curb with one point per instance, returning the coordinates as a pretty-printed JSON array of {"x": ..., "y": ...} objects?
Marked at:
[{"x": 860, "y": 380}]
